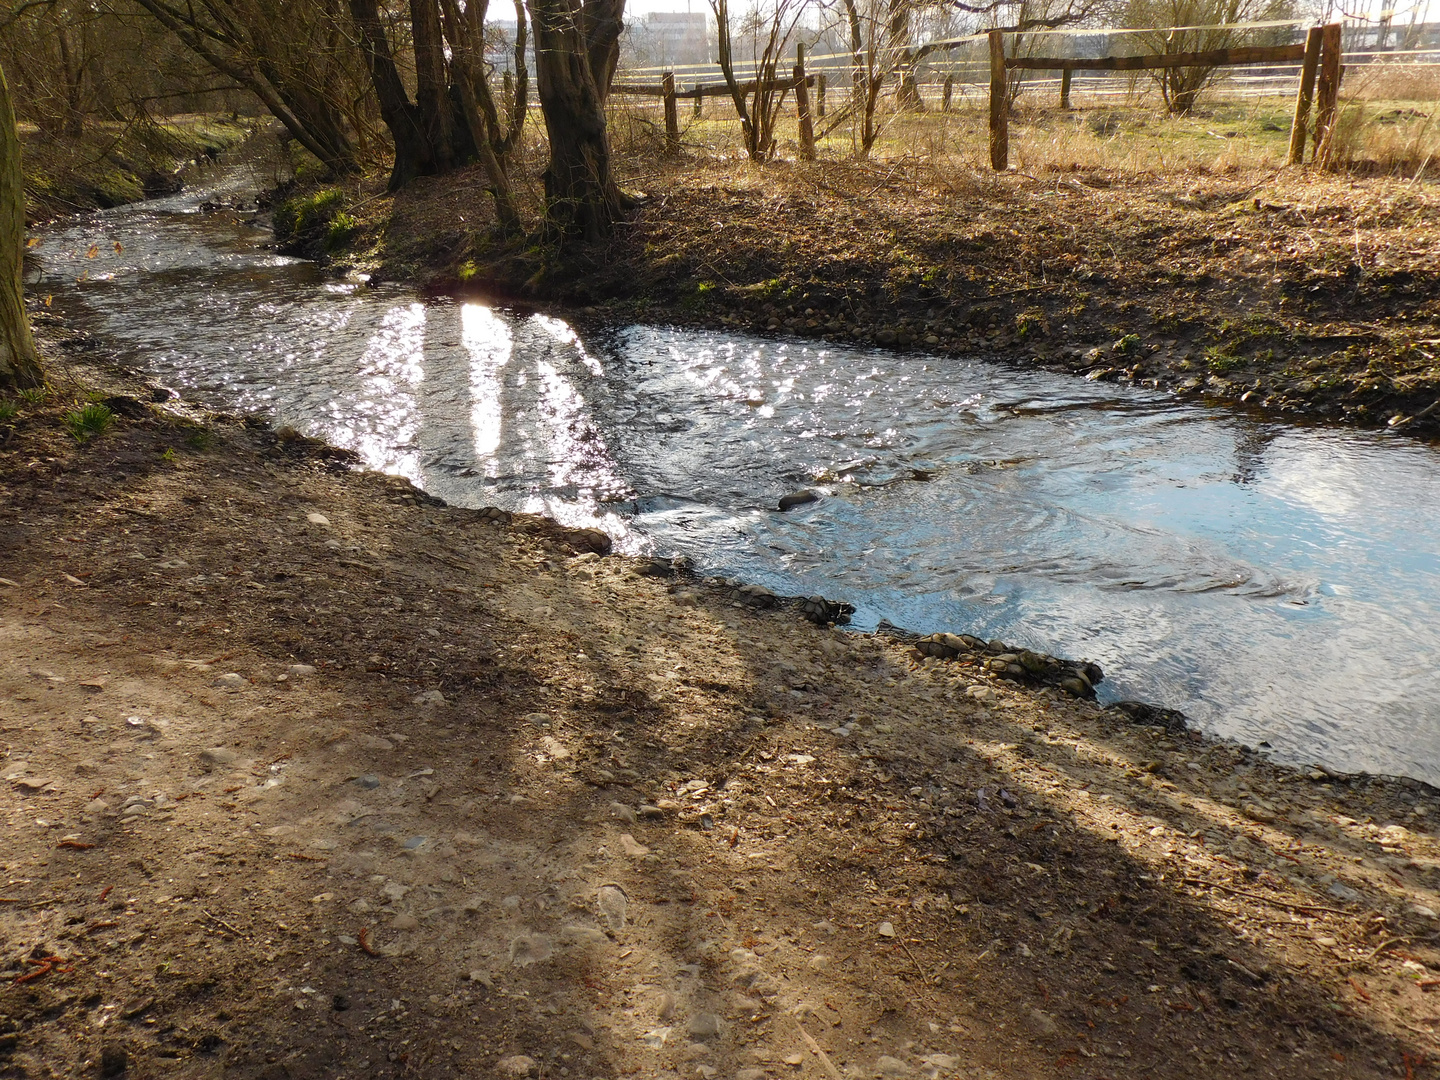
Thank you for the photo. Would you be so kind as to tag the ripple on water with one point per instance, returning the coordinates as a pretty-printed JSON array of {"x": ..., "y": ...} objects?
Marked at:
[{"x": 1277, "y": 584}]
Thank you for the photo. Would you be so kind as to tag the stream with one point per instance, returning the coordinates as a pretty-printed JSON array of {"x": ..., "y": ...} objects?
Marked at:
[{"x": 1279, "y": 584}]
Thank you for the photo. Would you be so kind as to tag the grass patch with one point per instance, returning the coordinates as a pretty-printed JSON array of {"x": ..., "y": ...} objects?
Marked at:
[
  {"x": 8, "y": 411},
  {"x": 90, "y": 419}
]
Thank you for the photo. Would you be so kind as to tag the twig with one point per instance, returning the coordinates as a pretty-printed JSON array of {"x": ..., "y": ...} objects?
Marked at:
[
  {"x": 923, "y": 977},
  {"x": 824, "y": 1057},
  {"x": 1385, "y": 945},
  {"x": 1262, "y": 896},
  {"x": 221, "y": 922}
]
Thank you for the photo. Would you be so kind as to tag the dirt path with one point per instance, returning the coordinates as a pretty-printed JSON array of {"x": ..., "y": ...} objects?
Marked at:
[{"x": 308, "y": 776}]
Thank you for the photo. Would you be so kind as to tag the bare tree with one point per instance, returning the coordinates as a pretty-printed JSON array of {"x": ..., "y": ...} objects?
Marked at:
[
  {"x": 19, "y": 362},
  {"x": 769, "y": 29},
  {"x": 1180, "y": 87},
  {"x": 577, "y": 45},
  {"x": 292, "y": 54}
]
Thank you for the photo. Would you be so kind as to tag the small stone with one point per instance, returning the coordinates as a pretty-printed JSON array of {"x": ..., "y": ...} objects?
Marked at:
[
  {"x": 232, "y": 680},
  {"x": 373, "y": 742},
  {"x": 798, "y": 498},
  {"x": 369, "y": 781},
  {"x": 114, "y": 1060},
  {"x": 613, "y": 904},
  {"x": 429, "y": 699},
  {"x": 405, "y": 922},
  {"x": 890, "y": 1066},
  {"x": 537, "y": 718},
  {"x": 1423, "y": 911},
  {"x": 704, "y": 1025},
  {"x": 516, "y": 1065},
  {"x": 1041, "y": 1023},
  {"x": 317, "y": 519},
  {"x": 300, "y": 671},
  {"x": 620, "y": 812},
  {"x": 1326, "y": 942},
  {"x": 750, "y": 1074},
  {"x": 554, "y": 748},
  {"x": 632, "y": 847},
  {"x": 886, "y": 930},
  {"x": 1256, "y": 812},
  {"x": 655, "y": 1037},
  {"x": 483, "y": 977},
  {"x": 527, "y": 949},
  {"x": 794, "y": 1060},
  {"x": 982, "y": 694},
  {"x": 218, "y": 755}
]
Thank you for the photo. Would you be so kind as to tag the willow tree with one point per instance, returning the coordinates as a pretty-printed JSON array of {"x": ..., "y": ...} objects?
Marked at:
[
  {"x": 453, "y": 116},
  {"x": 577, "y": 45},
  {"x": 19, "y": 363}
]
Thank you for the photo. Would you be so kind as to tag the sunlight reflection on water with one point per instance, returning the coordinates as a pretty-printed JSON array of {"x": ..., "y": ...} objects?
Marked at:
[{"x": 1276, "y": 583}]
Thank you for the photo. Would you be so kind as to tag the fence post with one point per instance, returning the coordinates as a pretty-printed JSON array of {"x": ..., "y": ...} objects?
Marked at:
[
  {"x": 1327, "y": 92},
  {"x": 1305, "y": 94},
  {"x": 699, "y": 102},
  {"x": 802, "y": 107},
  {"x": 946, "y": 94},
  {"x": 999, "y": 105},
  {"x": 820, "y": 95},
  {"x": 1065, "y": 76},
  {"x": 672, "y": 120}
]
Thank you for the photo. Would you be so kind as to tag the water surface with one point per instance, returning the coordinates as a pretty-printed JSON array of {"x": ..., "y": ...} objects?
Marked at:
[{"x": 1278, "y": 584}]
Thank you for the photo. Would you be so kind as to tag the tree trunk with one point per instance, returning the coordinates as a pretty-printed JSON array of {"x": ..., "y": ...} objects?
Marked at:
[
  {"x": 603, "y": 21},
  {"x": 581, "y": 197},
  {"x": 19, "y": 362},
  {"x": 433, "y": 107},
  {"x": 413, "y": 154}
]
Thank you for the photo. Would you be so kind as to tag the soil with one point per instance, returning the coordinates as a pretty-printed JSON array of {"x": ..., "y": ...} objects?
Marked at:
[
  {"x": 1302, "y": 294},
  {"x": 306, "y": 774}
]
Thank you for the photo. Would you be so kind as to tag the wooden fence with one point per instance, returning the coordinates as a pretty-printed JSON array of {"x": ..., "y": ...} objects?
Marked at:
[
  {"x": 799, "y": 82},
  {"x": 1319, "y": 55},
  {"x": 1320, "y": 74}
]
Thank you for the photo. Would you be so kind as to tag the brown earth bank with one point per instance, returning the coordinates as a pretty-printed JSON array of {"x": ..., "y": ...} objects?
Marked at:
[
  {"x": 1304, "y": 294},
  {"x": 306, "y": 774}
]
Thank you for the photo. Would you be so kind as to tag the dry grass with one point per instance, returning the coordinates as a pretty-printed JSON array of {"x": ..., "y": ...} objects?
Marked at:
[{"x": 1384, "y": 127}]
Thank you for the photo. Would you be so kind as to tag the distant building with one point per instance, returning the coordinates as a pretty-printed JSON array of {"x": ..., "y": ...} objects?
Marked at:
[{"x": 667, "y": 39}]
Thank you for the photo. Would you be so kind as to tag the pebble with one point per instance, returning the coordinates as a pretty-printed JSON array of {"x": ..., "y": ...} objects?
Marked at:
[
  {"x": 300, "y": 671},
  {"x": 405, "y": 922},
  {"x": 369, "y": 781},
  {"x": 218, "y": 755},
  {"x": 620, "y": 812},
  {"x": 527, "y": 949},
  {"x": 982, "y": 694},
  {"x": 613, "y": 906},
  {"x": 317, "y": 519},
  {"x": 886, "y": 930},
  {"x": 232, "y": 680},
  {"x": 516, "y": 1065},
  {"x": 429, "y": 698},
  {"x": 633, "y": 847},
  {"x": 1041, "y": 1023},
  {"x": 705, "y": 1025},
  {"x": 798, "y": 498},
  {"x": 890, "y": 1066}
]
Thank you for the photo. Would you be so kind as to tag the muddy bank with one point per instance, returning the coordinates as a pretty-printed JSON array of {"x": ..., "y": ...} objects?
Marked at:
[
  {"x": 1309, "y": 296},
  {"x": 309, "y": 775}
]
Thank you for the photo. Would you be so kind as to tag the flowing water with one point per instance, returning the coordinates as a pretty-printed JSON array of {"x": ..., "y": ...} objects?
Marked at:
[{"x": 1280, "y": 585}]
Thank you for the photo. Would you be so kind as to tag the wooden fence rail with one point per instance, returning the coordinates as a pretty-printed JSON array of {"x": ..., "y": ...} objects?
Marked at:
[
  {"x": 1320, "y": 53},
  {"x": 799, "y": 82}
]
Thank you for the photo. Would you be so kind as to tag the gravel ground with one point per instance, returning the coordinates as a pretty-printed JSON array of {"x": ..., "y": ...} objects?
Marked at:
[{"x": 306, "y": 775}]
